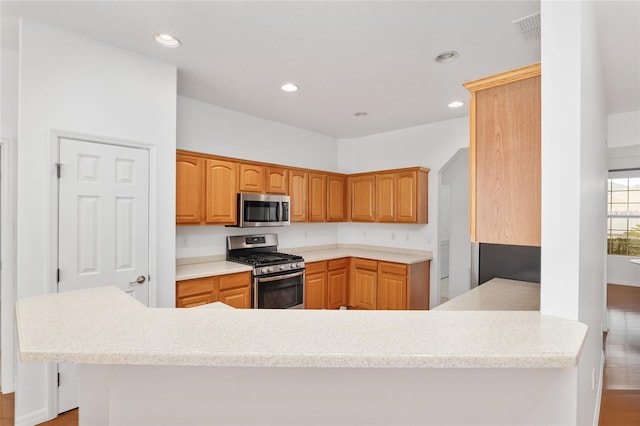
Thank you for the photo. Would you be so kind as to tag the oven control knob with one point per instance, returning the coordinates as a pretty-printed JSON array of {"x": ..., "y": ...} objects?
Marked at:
[
  {"x": 283, "y": 267},
  {"x": 270, "y": 269}
]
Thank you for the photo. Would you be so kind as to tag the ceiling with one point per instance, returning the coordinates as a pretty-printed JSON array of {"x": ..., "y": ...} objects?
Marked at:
[{"x": 346, "y": 56}]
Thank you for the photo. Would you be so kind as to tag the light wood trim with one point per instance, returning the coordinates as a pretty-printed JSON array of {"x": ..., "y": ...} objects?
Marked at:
[
  {"x": 472, "y": 168},
  {"x": 504, "y": 78}
]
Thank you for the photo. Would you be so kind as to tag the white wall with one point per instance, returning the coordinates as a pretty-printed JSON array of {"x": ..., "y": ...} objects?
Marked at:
[
  {"x": 456, "y": 175},
  {"x": 574, "y": 125},
  {"x": 429, "y": 145},
  {"x": 8, "y": 137},
  {"x": 214, "y": 130},
  {"x": 624, "y": 129},
  {"x": 73, "y": 84}
]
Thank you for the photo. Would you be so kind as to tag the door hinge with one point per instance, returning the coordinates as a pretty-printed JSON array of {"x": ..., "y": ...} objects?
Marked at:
[
  {"x": 58, "y": 169},
  {"x": 58, "y": 379},
  {"x": 58, "y": 275}
]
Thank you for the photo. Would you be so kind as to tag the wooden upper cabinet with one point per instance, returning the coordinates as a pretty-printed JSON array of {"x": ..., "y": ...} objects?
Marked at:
[
  {"x": 277, "y": 182},
  {"x": 189, "y": 189},
  {"x": 505, "y": 173},
  {"x": 363, "y": 197},
  {"x": 317, "y": 197},
  {"x": 336, "y": 198},
  {"x": 386, "y": 197},
  {"x": 412, "y": 199},
  {"x": 252, "y": 178},
  {"x": 220, "y": 192},
  {"x": 298, "y": 192}
]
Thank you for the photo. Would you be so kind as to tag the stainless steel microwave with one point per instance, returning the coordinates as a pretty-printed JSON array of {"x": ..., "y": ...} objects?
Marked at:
[{"x": 263, "y": 210}]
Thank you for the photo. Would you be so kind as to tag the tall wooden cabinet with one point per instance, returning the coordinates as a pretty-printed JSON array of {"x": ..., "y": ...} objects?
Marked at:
[
  {"x": 220, "y": 184},
  {"x": 298, "y": 191},
  {"x": 317, "y": 197},
  {"x": 505, "y": 165},
  {"x": 189, "y": 189}
]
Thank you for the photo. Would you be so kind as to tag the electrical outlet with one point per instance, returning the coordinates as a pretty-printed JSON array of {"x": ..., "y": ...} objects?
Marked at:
[
  {"x": 305, "y": 235},
  {"x": 407, "y": 237},
  {"x": 185, "y": 241},
  {"x": 393, "y": 235}
]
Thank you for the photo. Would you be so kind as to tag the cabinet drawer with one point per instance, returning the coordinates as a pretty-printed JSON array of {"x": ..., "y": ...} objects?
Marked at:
[
  {"x": 393, "y": 268},
  {"x": 195, "y": 286},
  {"x": 315, "y": 267},
  {"x": 338, "y": 264},
  {"x": 371, "y": 265},
  {"x": 240, "y": 279},
  {"x": 195, "y": 300}
]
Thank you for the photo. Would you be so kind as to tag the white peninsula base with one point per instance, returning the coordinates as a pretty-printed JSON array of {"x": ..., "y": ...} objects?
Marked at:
[{"x": 172, "y": 395}]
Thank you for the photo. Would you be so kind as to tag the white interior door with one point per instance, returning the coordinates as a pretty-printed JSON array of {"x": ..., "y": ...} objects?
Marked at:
[{"x": 103, "y": 225}]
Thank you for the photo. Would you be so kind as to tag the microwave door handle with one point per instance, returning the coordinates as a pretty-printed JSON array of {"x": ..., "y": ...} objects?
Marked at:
[
  {"x": 280, "y": 211},
  {"x": 280, "y": 277}
]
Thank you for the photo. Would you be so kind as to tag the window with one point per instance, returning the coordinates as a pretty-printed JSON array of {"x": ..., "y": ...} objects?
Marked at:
[{"x": 623, "y": 221}]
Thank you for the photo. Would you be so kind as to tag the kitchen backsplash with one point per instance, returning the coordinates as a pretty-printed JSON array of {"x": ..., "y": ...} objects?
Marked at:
[{"x": 197, "y": 241}]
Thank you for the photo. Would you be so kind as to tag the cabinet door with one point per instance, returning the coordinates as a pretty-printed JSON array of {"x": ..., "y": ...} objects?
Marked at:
[
  {"x": 252, "y": 178},
  {"x": 277, "y": 182},
  {"x": 235, "y": 289},
  {"x": 406, "y": 197},
  {"x": 364, "y": 283},
  {"x": 336, "y": 195},
  {"x": 392, "y": 286},
  {"x": 298, "y": 193},
  {"x": 195, "y": 292},
  {"x": 315, "y": 285},
  {"x": 363, "y": 194},
  {"x": 317, "y": 197},
  {"x": 189, "y": 189},
  {"x": 337, "y": 288},
  {"x": 237, "y": 297},
  {"x": 505, "y": 157},
  {"x": 386, "y": 197},
  {"x": 221, "y": 192}
]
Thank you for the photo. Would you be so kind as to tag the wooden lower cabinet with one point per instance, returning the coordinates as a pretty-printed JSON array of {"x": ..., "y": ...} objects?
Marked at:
[
  {"x": 364, "y": 283},
  {"x": 337, "y": 283},
  {"x": 232, "y": 289},
  {"x": 315, "y": 285},
  {"x": 388, "y": 285},
  {"x": 326, "y": 284}
]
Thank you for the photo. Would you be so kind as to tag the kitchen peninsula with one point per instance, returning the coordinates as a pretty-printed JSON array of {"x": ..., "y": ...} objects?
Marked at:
[{"x": 142, "y": 365}]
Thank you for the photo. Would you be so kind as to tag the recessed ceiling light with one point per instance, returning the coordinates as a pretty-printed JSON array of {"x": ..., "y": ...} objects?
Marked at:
[
  {"x": 455, "y": 104},
  {"x": 166, "y": 40},
  {"x": 361, "y": 114},
  {"x": 448, "y": 56},
  {"x": 289, "y": 87}
]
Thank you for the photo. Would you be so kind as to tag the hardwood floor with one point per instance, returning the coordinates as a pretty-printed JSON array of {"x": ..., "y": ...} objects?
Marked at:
[{"x": 621, "y": 383}]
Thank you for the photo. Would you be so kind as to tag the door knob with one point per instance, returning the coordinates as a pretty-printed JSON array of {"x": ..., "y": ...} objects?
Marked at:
[{"x": 141, "y": 279}]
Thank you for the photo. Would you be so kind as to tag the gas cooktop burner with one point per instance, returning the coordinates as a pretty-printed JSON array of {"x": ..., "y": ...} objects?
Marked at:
[{"x": 264, "y": 258}]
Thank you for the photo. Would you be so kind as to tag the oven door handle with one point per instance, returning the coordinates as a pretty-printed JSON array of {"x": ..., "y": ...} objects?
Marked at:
[{"x": 280, "y": 277}]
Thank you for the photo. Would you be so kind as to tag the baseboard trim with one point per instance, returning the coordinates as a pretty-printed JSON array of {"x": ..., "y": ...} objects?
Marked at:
[
  {"x": 33, "y": 418},
  {"x": 596, "y": 416}
]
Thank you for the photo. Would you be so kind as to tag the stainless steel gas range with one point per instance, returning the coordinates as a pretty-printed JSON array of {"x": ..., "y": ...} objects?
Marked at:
[{"x": 278, "y": 278}]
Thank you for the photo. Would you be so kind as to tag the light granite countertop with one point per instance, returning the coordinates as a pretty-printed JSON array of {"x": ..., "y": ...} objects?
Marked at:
[
  {"x": 499, "y": 294},
  {"x": 187, "y": 269},
  {"x": 105, "y": 326}
]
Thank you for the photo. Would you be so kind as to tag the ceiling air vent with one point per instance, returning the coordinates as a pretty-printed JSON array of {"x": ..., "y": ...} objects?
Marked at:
[{"x": 529, "y": 26}]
